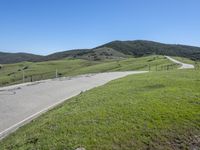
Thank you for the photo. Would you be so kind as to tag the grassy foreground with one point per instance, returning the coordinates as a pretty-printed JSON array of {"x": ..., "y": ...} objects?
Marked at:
[
  {"x": 12, "y": 73},
  {"x": 158, "y": 110}
]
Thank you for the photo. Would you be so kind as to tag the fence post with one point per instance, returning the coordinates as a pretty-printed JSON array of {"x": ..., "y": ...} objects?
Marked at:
[
  {"x": 23, "y": 76},
  {"x": 56, "y": 73}
]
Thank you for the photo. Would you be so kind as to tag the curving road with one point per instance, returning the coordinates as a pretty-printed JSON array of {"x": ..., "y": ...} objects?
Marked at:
[
  {"x": 20, "y": 104},
  {"x": 183, "y": 65}
]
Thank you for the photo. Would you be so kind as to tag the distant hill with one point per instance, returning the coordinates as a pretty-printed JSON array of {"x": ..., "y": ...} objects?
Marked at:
[
  {"x": 140, "y": 48},
  {"x": 19, "y": 57},
  {"x": 90, "y": 54},
  {"x": 67, "y": 54},
  {"x": 112, "y": 50}
]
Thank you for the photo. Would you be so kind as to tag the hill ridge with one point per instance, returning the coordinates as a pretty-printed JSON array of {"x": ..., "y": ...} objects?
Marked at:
[{"x": 111, "y": 50}]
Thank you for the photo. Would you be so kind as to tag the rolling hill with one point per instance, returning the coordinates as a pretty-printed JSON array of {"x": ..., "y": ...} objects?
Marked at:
[
  {"x": 112, "y": 50},
  {"x": 140, "y": 48},
  {"x": 8, "y": 58}
]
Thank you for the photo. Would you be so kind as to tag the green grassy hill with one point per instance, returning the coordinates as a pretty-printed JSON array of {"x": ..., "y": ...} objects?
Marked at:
[
  {"x": 141, "y": 48},
  {"x": 12, "y": 73},
  {"x": 157, "y": 110},
  {"x": 18, "y": 57},
  {"x": 112, "y": 50}
]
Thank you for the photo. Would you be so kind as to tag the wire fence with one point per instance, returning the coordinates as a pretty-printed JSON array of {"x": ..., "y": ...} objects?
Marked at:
[
  {"x": 27, "y": 77},
  {"x": 16, "y": 79},
  {"x": 162, "y": 67}
]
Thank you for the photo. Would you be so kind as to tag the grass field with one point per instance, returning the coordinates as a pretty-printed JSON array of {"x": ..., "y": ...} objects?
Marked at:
[
  {"x": 13, "y": 73},
  {"x": 157, "y": 110}
]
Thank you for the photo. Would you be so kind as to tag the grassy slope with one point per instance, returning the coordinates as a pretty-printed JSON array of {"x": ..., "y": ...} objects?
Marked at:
[
  {"x": 142, "y": 47},
  {"x": 69, "y": 67},
  {"x": 158, "y": 110},
  {"x": 184, "y": 60},
  {"x": 189, "y": 61}
]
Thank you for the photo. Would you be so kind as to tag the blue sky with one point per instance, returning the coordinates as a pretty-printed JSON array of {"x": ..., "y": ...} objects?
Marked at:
[{"x": 47, "y": 26}]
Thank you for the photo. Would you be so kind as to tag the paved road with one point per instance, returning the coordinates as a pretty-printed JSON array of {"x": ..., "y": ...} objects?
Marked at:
[
  {"x": 21, "y": 103},
  {"x": 183, "y": 65}
]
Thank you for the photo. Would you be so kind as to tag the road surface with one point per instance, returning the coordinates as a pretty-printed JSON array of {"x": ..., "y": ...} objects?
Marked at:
[
  {"x": 19, "y": 104},
  {"x": 183, "y": 65}
]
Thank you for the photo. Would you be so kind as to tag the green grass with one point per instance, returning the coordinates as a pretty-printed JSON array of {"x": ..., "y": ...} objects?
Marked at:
[
  {"x": 189, "y": 61},
  {"x": 157, "y": 110},
  {"x": 184, "y": 60},
  {"x": 12, "y": 73},
  {"x": 41, "y": 70}
]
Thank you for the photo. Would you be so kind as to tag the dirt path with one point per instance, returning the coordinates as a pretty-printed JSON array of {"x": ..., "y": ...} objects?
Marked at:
[{"x": 183, "y": 65}]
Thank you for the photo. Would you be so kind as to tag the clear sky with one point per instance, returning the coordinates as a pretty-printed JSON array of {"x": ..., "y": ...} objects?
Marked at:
[{"x": 46, "y": 26}]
